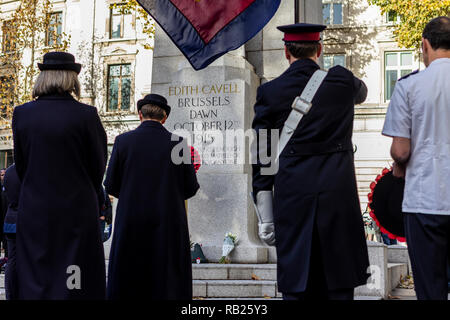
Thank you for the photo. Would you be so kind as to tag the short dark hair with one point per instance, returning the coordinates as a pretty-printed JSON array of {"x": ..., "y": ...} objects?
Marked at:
[
  {"x": 302, "y": 50},
  {"x": 437, "y": 31},
  {"x": 151, "y": 111}
]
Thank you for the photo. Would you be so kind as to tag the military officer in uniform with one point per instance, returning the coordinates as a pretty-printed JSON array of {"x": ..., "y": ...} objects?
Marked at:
[{"x": 317, "y": 221}]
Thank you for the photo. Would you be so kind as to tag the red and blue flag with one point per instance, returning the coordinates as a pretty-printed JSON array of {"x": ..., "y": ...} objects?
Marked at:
[{"x": 204, "y": 30}]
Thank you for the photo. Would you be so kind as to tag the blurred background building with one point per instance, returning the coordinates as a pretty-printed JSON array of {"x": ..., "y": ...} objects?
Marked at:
[{"x": 117, "y": 66}]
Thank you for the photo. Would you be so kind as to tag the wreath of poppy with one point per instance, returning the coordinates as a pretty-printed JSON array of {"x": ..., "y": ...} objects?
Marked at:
[
  {"x": 196, "y": 160},
  {"x": 389, "y": 188}
]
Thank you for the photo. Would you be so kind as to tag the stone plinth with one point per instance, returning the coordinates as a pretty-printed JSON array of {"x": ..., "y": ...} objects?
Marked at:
[
  {"x": 266, "y": 50},
  {"x": 211, "y": 103},
  {"x": 206, "y": 106},
  {"x": 384, "y": 276},
  {"x": 399, "y": 254}
]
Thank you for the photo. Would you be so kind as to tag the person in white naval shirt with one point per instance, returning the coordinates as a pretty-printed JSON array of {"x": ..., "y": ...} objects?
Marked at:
[{"x": 418, "y": 119}]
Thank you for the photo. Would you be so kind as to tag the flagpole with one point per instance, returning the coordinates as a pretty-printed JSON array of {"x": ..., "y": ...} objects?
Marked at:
[{"x": 296, "y": 9}]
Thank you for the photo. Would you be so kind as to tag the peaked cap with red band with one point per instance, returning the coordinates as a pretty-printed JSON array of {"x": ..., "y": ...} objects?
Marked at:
[{"x": 302, "y": 32}]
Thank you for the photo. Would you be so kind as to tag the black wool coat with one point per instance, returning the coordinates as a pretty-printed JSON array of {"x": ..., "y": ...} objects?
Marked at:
[
  {"x": 60, "y": 152},
  {"x": 315, "y": 184},
  {"x": 150, "y": 252}
]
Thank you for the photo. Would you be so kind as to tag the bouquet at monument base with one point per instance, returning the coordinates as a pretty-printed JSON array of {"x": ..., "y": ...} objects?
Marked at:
[{"x": 229, "y": 243}]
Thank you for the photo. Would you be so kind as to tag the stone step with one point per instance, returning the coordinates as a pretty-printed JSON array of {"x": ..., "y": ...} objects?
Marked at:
[
  {"x": 213, "y": 271},
  {"x": 367, "y": 298},
  {"x": 236, "y": 299},
  {"x": 394, "y": 272},
  {"x": 406, "y": 294},
  {"x": 235, "y": 289},
  {"x": 234, "y": 281},
  {"x": 358, "y": 298},
  {"x": 403, "y": 292}
]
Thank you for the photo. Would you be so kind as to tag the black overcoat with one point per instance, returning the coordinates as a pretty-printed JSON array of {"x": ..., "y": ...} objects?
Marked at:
[
  {"x": 315, "y": 183},
  {"x": 150, "y": 252},
  {"x": 60, "y": 153}
]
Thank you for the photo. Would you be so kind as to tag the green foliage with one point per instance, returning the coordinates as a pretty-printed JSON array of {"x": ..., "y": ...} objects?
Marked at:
[{"x": 414, "y": 15}]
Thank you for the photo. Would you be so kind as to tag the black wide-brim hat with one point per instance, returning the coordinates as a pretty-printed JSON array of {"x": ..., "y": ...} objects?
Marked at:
[
  {"x": 59, "y": 61},
  {"x": 154, "y": 99},
  {"x": 387, "y": 203}
]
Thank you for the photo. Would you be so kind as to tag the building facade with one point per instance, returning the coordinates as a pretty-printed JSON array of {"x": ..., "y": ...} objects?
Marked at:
[
  {"x": 117, "y": 66},
  {"x": 114, "y": 52},
  {"x": 360, "y": 38}
]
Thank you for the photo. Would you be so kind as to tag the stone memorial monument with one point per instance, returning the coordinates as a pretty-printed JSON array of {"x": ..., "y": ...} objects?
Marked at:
[{"x": 214, "y": 109}]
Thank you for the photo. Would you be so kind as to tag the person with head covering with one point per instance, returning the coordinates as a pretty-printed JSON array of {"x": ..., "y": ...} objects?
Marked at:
[
  {"x": 150, "y": 254},
  {"x": 417, "y": 119},
  {"x": 317, "y": 226},
  {"x": 60, "y": 153}
]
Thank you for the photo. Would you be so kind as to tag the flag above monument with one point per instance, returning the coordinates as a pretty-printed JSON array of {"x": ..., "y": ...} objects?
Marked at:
[{"x": 204, "y": 30}]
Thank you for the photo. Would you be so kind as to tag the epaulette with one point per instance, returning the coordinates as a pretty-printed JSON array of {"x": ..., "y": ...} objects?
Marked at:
[{"x": 409, "y": 74}]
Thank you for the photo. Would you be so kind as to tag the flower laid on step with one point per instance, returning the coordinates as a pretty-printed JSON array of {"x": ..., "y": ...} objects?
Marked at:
[{"x": 229, "y": 243}]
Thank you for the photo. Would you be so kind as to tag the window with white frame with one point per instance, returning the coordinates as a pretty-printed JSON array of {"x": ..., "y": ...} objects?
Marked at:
[
  {"x": 6, "y": 158},
  {"x": 119, "y": 87},
  {"x": 333, "y": 13},
  {"x": 121, "y": 25},
  {"x": 54, "y": 31},
  {"x": 8, "y": 30},
  {"x": 392, "y": 17},
  {"x": 332, "y": 60},
  {"x": 396, "y": 65}
]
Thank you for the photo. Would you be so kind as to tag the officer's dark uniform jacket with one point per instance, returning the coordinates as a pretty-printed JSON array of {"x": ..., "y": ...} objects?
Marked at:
[{"x": 315, "y": 183}]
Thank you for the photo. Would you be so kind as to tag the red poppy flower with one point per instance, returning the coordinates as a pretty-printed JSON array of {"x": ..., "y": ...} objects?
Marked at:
[{"x": 195, "y": 158}]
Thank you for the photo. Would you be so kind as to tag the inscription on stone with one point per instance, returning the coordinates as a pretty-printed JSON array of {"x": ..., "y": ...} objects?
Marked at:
[{"x": 209, "y": 112}]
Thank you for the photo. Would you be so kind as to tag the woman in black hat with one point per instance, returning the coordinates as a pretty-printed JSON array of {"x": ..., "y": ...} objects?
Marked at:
[
  {"x": 60, "y": 153},
  {"x": 150, "y": 254}
]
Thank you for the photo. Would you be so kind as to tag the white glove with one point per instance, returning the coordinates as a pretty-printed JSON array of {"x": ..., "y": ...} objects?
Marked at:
[{"x": 264, "y": 211}]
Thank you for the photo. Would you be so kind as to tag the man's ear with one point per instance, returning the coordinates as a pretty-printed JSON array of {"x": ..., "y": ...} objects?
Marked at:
[
  {"x": 319, "y": 50},
  {"x": 140, "y": 115},
  {"x": 425, "y": 45},
  {"x": 164, "y": 119},
  {"x": 287, "y": 53}
]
